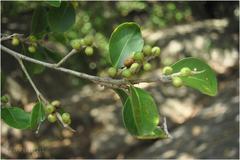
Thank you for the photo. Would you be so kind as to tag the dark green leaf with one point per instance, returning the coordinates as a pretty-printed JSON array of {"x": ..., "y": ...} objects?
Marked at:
[
  {"x": 15, "y": 117},
  {"x": 140, "y": 114},
  {"x": 205, "y": 82},
  {"x": 37, "y": 115},
  {"x": 125, "y": 40},
  {"x": 39, "y": 21},
  {"x": 62, "y": 18},
  {"x": 54, "y": 3},
  {"x": 122, "y": 94},
  {"x": 36, "y": 68}
]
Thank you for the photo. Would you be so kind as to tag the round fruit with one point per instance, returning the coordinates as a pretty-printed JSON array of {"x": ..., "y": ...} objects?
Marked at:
[
  {"x": 126, "y": 73},
  {"x": 68, "y": 122},
  {"x": 147, "y": 67},
  {"x": 32, "y": 38},
  {"x": 15, "y": 41},
  {"x": 76, "y": 43},
  {"x": 65, "y": 117},
  {"x": 177, "y": 82},
  {"x": 89, "y": 51},
  {"x": 134, "y": 67},
  {"x": 55, "y": 103},
  {"x": 112, "y": 72},
  {"x": 185, "y": 71},
  {"x": 167, "y": 70},
  {"x": 147, "y": 50},
  {"x": 32, "y": 49},
  {"x": 128, "y": 62},
  {"x": 4, "y": 99},
  {"x": 50, "y": 109},
  {"x": 88, "y": 40},
  {"x": 52, "y": 118},
  {"x": 156, "y": 51},
  {"x": 138, "y": 56}
]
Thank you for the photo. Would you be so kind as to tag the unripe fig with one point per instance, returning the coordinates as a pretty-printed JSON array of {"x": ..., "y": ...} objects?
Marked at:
[
  {"x": 177, "y": 82},
  {"x": 15, "y": 41},
  {"x": 56, "y": 103},
  {"x": 185, "y": 71},
  {"x": 4, "y": 99},
  {"x": 156, "y": 51},
  {"x": 147, "y": 67},
  {"x": 138, "y": 56},
  {"x": 65, "y": 117},
  {"x": 147, "y": 50},
  {"x": 167, "y": 70},
  {"x": 128, "y": 62},
  {"x": 112, "y": 72},
  {"x": 32, "y": 38},
  {"x": 126, "y": 73},
  {"x": 52, "y": 118},
  {"x": 32, "y": 49},
  {"x": 50, "y": 109},
  {"x": 89, "y": 40},
  {"x": 89, "y": 51},
  {"x": 76, "y": 43},
  {"x": 134, "y": 67},
  {"x": 68, "y": 122}
]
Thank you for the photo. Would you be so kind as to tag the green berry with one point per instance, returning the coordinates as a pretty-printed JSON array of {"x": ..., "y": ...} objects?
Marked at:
[
  {"x": 89, "y": 51},
  {"x": 177, "y": 82},
  {"x": 50, "y": 109},
  {"x": 112, "y": 72},
  {"x": 156, "y": 51},
  {"x": 65, "y": 117},
  {"x": 55, "y": 103},
  {"x": 167, "y": 70},
  {"x": 76, "y": 43},
  {"x": 4, "y": 99},
  {"x": 147, "y": 50},
  {"x": 32, "y": 38},
  {"x": 128, "y": 62},
  {"x": 185, "y": 71},
  {"x": 68, "y": 122},
  {"x": 32, "y": 49},
  {"x": 126, "y": 73},
  {"x": 52, "y": 118},
  {"x": 147, "y": 67},
  {"x": 138, "y": 56},
  {"x": 89, "y": 40},
  {"x": 134, "y": 67},
  {"x": 15, "y": 41}
]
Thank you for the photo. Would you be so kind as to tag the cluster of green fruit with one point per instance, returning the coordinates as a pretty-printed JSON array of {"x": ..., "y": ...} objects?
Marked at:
[
  {"x": 176, "y": 80},
  {"x": 134, "y": 63},
  {"x": 86, "y": 42},
  {"x": 32, "y": 40},
  {"x": 4, "y": 100},
  {"x": 52, "y": 117}
]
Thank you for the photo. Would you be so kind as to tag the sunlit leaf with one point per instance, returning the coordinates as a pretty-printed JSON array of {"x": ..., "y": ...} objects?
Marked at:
[
  {"x": 205, "y": 82},
  {"x": 125, "y": 40},
  {"x": 37, "y": 115}
]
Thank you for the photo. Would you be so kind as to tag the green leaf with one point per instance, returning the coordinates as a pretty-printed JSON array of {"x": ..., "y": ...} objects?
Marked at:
[
  {"x": 62, "y": 18},
  {"x": 15, "y": 117},
  {"x": 125, "y": 40},
  {"x": 37, "y": 115},
  {"x": 36, "y": 68},
  {"x": 205, "y": 82},
  {"x": 122, "y": 94},
  {"x": 140, "y": 115},
  {"x": 39, "y": 21},
  {"x": 54, "y": 3}
]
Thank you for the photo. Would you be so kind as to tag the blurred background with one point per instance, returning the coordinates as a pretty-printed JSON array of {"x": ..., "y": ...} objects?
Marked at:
[{"x": 201, "y": 126}]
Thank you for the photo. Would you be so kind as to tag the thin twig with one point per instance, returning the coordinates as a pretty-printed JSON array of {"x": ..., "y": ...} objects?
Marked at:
[
  {"x": 72, "y": 52},
  {"x": 4, "y": 38}
]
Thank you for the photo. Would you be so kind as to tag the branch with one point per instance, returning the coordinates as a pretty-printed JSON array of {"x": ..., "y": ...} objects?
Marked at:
[
  {"x": 72, "y": 52},
  {"x": 4, "y": 38}
]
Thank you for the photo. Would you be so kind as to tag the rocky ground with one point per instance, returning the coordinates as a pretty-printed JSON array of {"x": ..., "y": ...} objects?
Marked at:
[{"x": 201, "y": 126}]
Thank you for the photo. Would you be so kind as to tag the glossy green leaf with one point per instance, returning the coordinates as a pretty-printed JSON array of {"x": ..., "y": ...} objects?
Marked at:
[
  {"x": 54, "y": 3},
  {"x": 39, "y": 21},
  {"x": 205, "y": 82},
  {"x": 125, "y": 40},
  {"x": 122, "y": 94},
  {"x": 15, "y": 117},
  {"x": 37, "y": 115},
  {"x": 140, "y": 114},
  {"x": 62, "y": 18}
]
